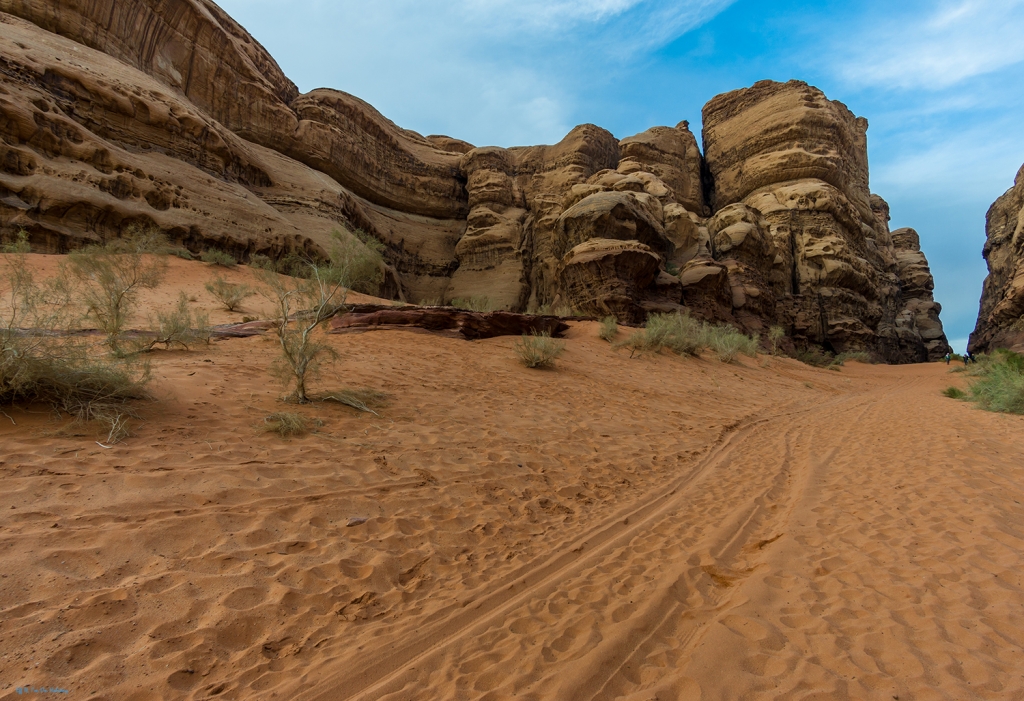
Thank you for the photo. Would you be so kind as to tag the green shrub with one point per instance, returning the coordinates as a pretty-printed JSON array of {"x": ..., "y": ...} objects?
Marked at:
[
  {"x": 853, "y": 357},
  {"x": 539, "y": 351},
  {"x": 304, "y": 305},
  {"x": 113, "y": 274},
  {"x": 474, "y": 304},
  {"x": 815, "y": 356},
  {"x": 18, "y": 243},
  {"x": 954, "y": 393},
  {"x": 684, "y": 335},
  {"x": 609, "y": 328},
  {"x": 728, "y": 343},
  {"x": 230, "y": 294},
  {"x": 1000, "y": 383},
  {"x": 182, "y": 253},
  {"x": 212, "y": 256},
  {"x": 775, "y": 336}
]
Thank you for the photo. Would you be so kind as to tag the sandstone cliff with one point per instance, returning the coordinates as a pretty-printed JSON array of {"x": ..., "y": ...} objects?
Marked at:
[
  {"x": 1001, "y": 318},
  {"x": 168, "y": 113}
]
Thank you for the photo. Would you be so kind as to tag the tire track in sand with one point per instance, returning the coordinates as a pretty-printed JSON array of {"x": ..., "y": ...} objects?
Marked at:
[{"x": 664, "y": 559}]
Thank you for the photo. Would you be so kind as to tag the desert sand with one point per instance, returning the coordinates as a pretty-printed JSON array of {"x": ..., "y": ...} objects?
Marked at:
[{"x": 647, "y": 528}]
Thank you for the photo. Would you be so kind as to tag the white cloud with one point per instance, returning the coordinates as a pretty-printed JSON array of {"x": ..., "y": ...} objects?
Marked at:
[{"x": 957, "y": 41}]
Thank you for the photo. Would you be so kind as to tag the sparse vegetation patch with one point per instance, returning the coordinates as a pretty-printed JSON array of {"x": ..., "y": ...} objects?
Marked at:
[{"x": 539, "y": 351}]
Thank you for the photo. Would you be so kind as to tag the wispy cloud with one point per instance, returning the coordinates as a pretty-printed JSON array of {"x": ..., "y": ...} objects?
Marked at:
[
  {"x": 489, "y": 71},
  {"x": 952, "y": 43}
]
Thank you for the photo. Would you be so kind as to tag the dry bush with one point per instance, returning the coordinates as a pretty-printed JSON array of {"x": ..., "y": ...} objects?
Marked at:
[
  {"x": 775, "y": 336},
  {"x": 179, "y": 327},
  {"x": 304, "y": 305},
  {"x": 113, "y": 274},
  {"x": 287, "y": 424},
  {"x": 41, "y": 361},
  {"x": 474, "y": 304},
  {"x": 609, "y": 329},
  {"x": 365, "y": 400},
  {"x": 230, "y": 294},
  {"x": 538, "y": 351},
  {"x": 213, "y": 256}
]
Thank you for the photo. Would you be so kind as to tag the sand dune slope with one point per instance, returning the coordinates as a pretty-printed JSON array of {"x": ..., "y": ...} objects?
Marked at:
[{"x": 647, "y": 528}]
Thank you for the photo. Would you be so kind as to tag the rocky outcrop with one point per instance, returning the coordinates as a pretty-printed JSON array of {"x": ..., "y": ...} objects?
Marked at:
[
  {"x": 447, "y": 321},
  {"x": 1001, "y": 317},
  {"x": 801, "y": 161},
  {"x": 168, "y": 113}
]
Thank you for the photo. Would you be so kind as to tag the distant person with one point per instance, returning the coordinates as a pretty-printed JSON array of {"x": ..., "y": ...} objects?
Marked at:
[
  {"x": 949, "y": 356},
  {"x": 967, "y": 358}
]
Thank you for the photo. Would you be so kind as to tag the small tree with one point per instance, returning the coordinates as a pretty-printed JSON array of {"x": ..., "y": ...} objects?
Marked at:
[
  {"x": 305, "y": 304},
  {"x": 113, "y": 275},
  {"x": 230, "y": 294}
]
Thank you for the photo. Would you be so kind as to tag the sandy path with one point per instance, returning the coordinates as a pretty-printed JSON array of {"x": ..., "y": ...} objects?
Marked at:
[
  {"x": 833, "y": 551},
  {"x": 655, "y": 528}
]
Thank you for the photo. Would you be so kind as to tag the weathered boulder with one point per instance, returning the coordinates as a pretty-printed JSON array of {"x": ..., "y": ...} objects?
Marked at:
[
  {"x": 608, "y": 277},
  {"x": 623, "y": 216},
  {"x": 1001, "y": 316},
  {"x": 741, "y": 242}
]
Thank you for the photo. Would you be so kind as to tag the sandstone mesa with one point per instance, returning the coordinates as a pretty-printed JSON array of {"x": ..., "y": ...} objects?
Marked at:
[{"x": 169, "y": 113}]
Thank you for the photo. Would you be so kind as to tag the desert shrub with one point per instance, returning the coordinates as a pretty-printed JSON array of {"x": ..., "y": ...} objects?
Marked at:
[
  {"x": 365, "y": 400},
  {"x": 305, "y": 304},
  {"x": 684, "y": 335},
  {"x": 954, "y": 393},
  {"x": 212, "y": 256},
  {"x": 180, "y": 327},
  {"x": 815, "y": 356},
  {"x": 430, "y": 302},
  {"x": 680, "y": 333},
  {"x": 230, "y": 294},
  {"x": 40, "y": 361},
  {"x": 775, "y": 336},
  {"x": 1000, "y": 383},
  {"x": 287, "y": 425},
  {"x": 16, "y": 243},
  {"x": 182, "y": 253},
  {"x": 728, "y": 343},
  {"x": 473, "y": 304},
  {"x": 609, "y": 328},
  {"x": 539, "y": 351},
  {"x": 113, "y": 274},
  {"x": 853, "y": 357}
]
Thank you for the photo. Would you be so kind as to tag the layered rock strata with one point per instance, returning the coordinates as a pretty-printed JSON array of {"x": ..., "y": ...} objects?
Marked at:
[
  {"x": 1001, "y": 317},
  {"x": 169, "y": 114}
]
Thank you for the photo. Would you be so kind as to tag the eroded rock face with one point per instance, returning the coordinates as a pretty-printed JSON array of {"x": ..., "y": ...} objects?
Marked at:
[
  {"x": 607, "y": 277},
  {"x": 801, "y": 161},
  {"x": 1001, "y": 317},
  {"x": 169, "y": 114}
]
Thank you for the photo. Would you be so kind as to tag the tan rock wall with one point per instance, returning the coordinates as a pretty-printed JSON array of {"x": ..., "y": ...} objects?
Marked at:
[{"x": 1001, "y": 316}]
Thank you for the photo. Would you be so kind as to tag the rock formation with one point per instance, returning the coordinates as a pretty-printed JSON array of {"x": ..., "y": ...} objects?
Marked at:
[
  {"x": 1001, "y": 318},
  {"x": 169, "y": 114}
]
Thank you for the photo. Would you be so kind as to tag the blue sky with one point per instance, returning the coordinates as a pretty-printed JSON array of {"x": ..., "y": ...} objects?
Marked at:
[{"x": 939, "y": 81}]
